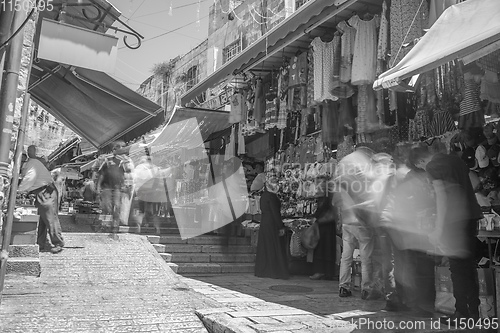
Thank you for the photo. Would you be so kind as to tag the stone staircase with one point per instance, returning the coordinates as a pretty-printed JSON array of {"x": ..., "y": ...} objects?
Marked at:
[
  {"x": 24, "y": 260},
  {"x": 206, "y": 254}
]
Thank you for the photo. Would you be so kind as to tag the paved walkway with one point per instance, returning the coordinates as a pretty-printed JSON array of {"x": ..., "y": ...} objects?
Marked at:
[
  {"x": 119, "y": 283},
  {"x": 102, "y": 283}
]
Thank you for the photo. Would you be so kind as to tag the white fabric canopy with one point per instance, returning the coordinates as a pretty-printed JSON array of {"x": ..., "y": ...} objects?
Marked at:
[{"x": 461, "y": 30}]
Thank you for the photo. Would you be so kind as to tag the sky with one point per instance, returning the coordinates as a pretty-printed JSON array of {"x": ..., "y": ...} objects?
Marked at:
[{"x": 151, "y": 18}]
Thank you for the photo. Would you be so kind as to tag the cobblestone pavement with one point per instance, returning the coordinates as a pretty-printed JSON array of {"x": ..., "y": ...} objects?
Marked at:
[
  {"x": 101, "y": 283},
  {"x": 119, "y": 283},
  {"x": 303, "y": 305}
]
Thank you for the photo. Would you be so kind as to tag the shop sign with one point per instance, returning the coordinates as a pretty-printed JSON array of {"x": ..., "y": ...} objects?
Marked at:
[
  {"x": 219, "y": 101},
  {"x": 68, "y": 44}
]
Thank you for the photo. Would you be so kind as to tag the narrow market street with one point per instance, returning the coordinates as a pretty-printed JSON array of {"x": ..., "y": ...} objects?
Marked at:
[{"x": 118, "y": 283}]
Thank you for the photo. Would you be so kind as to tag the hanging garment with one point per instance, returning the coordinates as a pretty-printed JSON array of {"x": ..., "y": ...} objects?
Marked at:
[
  {"x": 329, "y": 119},
  {"x": 339, "y": 89},
  {"x": 310, "y": 78},
  {"x": 346, "y": 121},
  {"x": 367, "y": 119},
  {"x": 236, "y": 108},
  {"x": 437, "y": 7},
  {"x": 442, "y": 122},
  {"x": 259, "y": 108},
  {"x": 298, "y": 71},
  {"x": 408, "y": 19},
  {"x": 229, "y": 153},
  {"x": 323, "y": 70},
  {"x": 383, "y": 34},
  {"x": 345, "y": 147},
  {"x": 241, "y": 143},
  {"x": 364, "y": 63},
  {"x": 471, "y": 101},
  {"x": 419, "y": 127},
  {"x": 490, "y": 62},
  {"x": 346, "y": 50},
  {"x": 490, "y": 87}
]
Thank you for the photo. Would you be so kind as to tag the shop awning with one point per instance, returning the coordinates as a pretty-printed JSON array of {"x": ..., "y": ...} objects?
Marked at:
[
  {"x": 91, "y": 103},
  {"x": 314, "y": 18},
  {"x": 182, "y": 130},
  {"x": 63, "y": 148},
  {"x": 462, "y": 29}
]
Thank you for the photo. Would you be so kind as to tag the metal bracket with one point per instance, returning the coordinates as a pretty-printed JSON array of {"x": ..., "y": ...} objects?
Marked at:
[{"x": 98, "y": 19}]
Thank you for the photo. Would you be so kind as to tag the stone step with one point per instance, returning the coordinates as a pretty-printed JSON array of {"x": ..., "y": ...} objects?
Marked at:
[
  {"x": 166, "y": 256},
  {"x": 173, "y": 267},
  {"x": 24, "y": 266},
  {"x": 213, "y": 257},
  {"x": 24, "y": 251},
  {"x": 213, "y": 268},
  {"x": 205, "y": 240},
  {"x": 192, "y": 248},
  {"x": 148, "y": 230}
]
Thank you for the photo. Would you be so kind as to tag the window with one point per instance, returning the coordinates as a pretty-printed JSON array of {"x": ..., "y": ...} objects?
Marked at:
[
  {"x": 192, "y": 77},
  {"x": 232, "y": 50}
]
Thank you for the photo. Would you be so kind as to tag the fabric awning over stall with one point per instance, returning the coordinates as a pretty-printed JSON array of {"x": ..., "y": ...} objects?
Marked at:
[
  {"x": 468, "y": 27},
  {"x": 182, "y": 130},
  {"x": 91, "y": 103}
]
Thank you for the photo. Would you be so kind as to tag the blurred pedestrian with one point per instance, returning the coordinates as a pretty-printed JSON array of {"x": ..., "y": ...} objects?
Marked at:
[
  {"x": 455, "y": 228},
  {"x": 115, "y": 185},
  {"x": 37, "y": 180}
]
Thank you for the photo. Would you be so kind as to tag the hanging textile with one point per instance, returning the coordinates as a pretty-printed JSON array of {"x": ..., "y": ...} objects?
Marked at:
[
  {"x": 419, "y": 127},
  {"x": 236, "y": 108},
  {"x": 364, "y": 63},
  {"x": 442, "y": 122},
  {"x": 490, "y": 87},
  {"x": 383, "y": 34},
  {"x": 241, "y": 143},
  {"x": 346, "y": 50},
  {"x": 230, "y": 153},
  {"x": 310, "y": 78},
  {"x": 407, "y": 20},
  {"x": 345, "y": 147},
  {"x": 282, "y": 94},
  {"x": 329, "y": 118},
  {"x": 437, "y": 7},
  {"x": 367, "y": 119},
  {"x": 259, "y": 108},
  {"x": 297, "y": 81},
  {"x": 323, "y": 70}
]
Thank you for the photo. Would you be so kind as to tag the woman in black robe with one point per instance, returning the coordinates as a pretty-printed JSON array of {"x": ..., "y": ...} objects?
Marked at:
[{"x": 271, "y": 260}]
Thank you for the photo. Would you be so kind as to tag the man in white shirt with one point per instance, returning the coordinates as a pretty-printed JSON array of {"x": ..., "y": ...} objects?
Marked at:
[{"x": 37, "y": 180}]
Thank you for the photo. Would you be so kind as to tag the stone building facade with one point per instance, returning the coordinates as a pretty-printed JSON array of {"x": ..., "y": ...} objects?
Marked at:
[{"x": 233, "y": 26}]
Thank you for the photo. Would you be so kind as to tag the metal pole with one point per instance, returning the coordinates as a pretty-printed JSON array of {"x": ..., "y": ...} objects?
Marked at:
[
  {"x": 8, "y": 92},
  {"x": 13, "y": 191},
  {"x": 6, "y": 17}
]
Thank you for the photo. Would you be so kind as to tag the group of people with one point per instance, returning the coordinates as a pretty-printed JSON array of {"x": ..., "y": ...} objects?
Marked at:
[{"x": 401, "y": 218}]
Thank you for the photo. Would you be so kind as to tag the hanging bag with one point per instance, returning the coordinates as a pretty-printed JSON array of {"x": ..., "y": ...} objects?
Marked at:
[{"x": 310, "y": 237}]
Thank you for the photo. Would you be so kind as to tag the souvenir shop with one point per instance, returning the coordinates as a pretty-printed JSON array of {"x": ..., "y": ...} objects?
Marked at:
[{"x": 321, "y": 103}]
